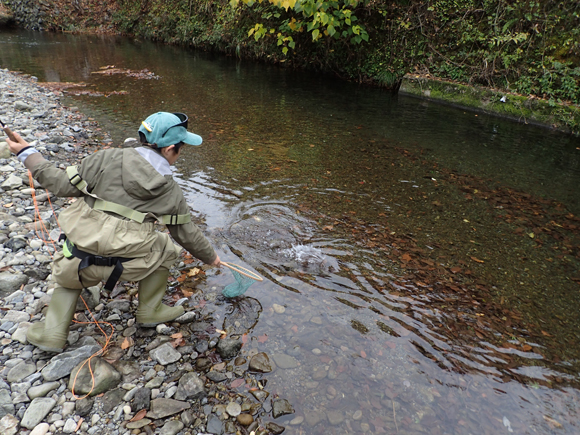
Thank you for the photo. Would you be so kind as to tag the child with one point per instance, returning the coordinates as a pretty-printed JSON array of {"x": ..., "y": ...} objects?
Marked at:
[{"x": 109, "y": 232}]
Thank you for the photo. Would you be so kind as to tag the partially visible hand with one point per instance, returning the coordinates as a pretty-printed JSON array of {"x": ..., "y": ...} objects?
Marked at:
[
  {"x": 216, "y": 262},
  {"x": 19, "y": 144}
]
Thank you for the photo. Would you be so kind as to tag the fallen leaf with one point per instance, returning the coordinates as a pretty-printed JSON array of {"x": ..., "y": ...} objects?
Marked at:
[
  {"x": 237, "y": 383},
  {"x": 193, "y": 272},
  {"x": 127, "y": 342},
  {"x": 406, "y": 258},
  {"x": 526, "y": 347},
  {"x": 177, "y": 335},
  {"x": 328, "y": 228},
  {"x": 186, "y": 293},
  {"x": 477, "y": 260},
  {"x": 553, "y": 423},
  {"x": 139, "y": 415},
  {"x": 177, "y": 343}
]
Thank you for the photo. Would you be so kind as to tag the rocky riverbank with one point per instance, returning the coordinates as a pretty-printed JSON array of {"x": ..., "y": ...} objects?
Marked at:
[{"x": 181, "y": 378}]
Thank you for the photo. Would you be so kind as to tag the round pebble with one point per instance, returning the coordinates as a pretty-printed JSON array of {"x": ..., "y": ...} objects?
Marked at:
[
  {"x": 245, "y": 419},
  {"x": 233, "y": 409}
]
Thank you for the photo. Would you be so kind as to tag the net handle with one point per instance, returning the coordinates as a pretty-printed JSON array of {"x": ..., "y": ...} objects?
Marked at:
[{"x": 243, "y": 271}]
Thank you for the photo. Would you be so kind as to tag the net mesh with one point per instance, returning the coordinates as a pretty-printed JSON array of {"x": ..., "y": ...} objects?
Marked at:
[{"x": 239, "y": 287}]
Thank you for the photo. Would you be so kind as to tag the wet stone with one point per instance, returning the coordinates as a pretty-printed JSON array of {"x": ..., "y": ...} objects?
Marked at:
[
  {"x": 260, "y": 363},
  {"x": 297, "y": 421},
  {"x": 229, "y": 347},
  {"x": 216, "y": 376},
  {"x": 319, "y": 373},
  {"x": 281, "y": 407},
  {"x": 233, "y": 409},
  {"x": 190, "y": 387},
  {"x": 335, "y": 417},
  {"x": 313, "y": 417},
  {"x": 245, "y": 419},
  {"x": 274, "y": 428},
  {"x": 285, "y": 361},
  {"x": 260, "y": 395},
  {"x": 202, "y": 363},
  {"x": 214, "y": 425}
]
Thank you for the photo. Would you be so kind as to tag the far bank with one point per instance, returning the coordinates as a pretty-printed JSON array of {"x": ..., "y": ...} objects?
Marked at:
[{"x": 520, "y": 60}]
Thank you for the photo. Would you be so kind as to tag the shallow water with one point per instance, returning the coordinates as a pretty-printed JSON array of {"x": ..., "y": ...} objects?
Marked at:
[{"x": 420, "y": 262}]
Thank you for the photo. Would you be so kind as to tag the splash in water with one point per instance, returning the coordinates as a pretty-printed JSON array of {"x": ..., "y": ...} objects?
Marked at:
[{"x": 305, "y": 254}]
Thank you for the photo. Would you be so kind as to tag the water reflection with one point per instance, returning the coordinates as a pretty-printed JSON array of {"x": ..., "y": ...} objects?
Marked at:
[{"x": 420, "y": 262}]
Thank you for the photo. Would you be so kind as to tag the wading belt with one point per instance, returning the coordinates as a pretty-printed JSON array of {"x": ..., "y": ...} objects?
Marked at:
[{"x": 69, "y": 250}]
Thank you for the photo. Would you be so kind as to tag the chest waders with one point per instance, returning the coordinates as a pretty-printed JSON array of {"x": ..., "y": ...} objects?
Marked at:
[
  {"x": 70, "y": 250},
  {"x": 51, "y": 334}
]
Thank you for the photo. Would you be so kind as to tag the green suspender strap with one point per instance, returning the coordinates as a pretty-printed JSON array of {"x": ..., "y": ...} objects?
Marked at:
[{"x": 100, "y": 204}]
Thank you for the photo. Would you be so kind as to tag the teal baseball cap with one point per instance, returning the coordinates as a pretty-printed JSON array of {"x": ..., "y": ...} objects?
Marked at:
[{"x": 164, "y": 129}]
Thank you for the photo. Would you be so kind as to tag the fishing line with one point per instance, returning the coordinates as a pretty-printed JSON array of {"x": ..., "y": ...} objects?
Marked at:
[{"x": 39, "y": 223}]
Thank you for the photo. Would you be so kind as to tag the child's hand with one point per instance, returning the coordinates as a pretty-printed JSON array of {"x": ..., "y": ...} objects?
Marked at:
[
  {"x": 217, "y": 261},
  {"x": 17, "y": 145}
]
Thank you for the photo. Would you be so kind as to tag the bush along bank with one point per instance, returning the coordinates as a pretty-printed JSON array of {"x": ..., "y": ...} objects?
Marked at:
[{"x": 522, "y": 47}]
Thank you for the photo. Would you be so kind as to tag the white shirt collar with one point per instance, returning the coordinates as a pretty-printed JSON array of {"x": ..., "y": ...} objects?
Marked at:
[{"x": 156, "y": 160}]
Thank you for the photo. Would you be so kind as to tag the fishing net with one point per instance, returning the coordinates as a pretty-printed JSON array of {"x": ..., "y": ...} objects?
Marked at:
[{"x": 244, "y": 279}]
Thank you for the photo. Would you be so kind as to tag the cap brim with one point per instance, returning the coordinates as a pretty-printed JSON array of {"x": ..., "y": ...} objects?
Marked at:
[{"x": 192, "y": 139}]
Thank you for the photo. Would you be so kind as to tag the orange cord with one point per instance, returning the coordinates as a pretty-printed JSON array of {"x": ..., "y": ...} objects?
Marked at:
[{"x": 40, "y": 222}]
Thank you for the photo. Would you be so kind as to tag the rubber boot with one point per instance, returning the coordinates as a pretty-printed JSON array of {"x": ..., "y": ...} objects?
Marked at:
[
  {"x": 151, "y": 311},
  {"x": 51, "y": 334}
]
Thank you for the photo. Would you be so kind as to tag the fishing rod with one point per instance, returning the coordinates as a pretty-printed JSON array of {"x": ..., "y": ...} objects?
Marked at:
[{"x": 8, "y": 132}]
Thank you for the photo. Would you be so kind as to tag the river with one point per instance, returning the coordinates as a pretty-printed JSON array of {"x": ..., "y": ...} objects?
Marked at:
[{"x": 420, "y": 261}]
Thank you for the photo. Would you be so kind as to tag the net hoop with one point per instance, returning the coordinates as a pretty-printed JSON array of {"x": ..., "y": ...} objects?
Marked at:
[{"x": 243, "y": 271}]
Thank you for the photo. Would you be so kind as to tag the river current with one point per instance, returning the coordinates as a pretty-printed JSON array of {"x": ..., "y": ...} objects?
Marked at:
[{"x": 420, "y": 261}]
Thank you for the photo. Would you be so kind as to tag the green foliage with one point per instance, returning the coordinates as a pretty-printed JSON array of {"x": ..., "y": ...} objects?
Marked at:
[
  {"x": 523, "y": 46},
  {"x": 286, "y": 20}
]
